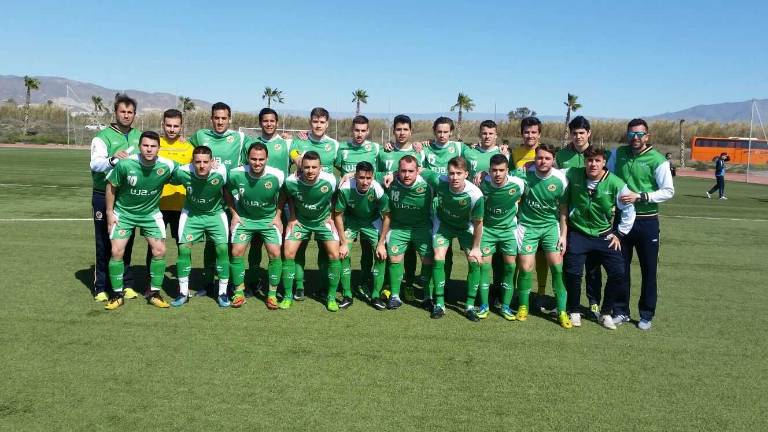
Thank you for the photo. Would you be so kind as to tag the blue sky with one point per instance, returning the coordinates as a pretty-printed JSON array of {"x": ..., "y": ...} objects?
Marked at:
[{"x": 622, "y": 60}]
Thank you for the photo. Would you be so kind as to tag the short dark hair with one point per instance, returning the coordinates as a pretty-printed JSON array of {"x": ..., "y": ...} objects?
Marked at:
[
  {"x": 257, "y": 146},
  {"x": 528, "y": 122},
  {"x": 593, "y": 151},
  {"x": 458, "y": 162},
  {"x": 221, "y": 106},
  {"x": 442, "y": 120},
  {"x": 547, "y": 148},
  {"x": 202, "y": 150},
  {"x": 266, "y": 111},
  {"x": 401, "y": 118},
  {"x": 637, "y": 122},
  {"x": 490, "y": 124},
  {"x": 122, "y": 98},
  {"x": 310, "y": 155},
  {"x": 579, "y": 122},
  {"x": 407, "y": 158},
  {"x": 151, "y": 135},
  {"x": 499, "y": 159},
  {"x": 364, "y": 166},
  {"x": 360, "y": 119},
  {"x": 320, "y": 112},
  {"x": 172, "y": 113}
]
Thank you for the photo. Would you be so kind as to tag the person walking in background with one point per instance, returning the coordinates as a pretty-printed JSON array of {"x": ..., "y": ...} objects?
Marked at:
[
  {"x": 719, "y": 176},
  {"x": 672, "y": 168}
]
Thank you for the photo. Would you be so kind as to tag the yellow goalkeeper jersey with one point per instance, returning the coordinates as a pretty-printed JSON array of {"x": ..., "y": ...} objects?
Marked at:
[
  {"x": 523, "y": 157},
  {"x": 180, "y": 152}
]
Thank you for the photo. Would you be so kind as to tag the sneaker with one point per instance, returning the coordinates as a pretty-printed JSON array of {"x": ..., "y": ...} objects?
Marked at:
[
  {"x": 223, "y": 301},
  {"x": 379, "y": 304},
  {"x": 362, "y": 293},
  {"x": 271, "y": 302},
  {"x": 130, "y": 293},
  {"x": 471, "y": 314},
  {"x": 723, "y": 198},
  {"x": 482, "y": 311},
  {"x": 645, "y": 324},
  {"x": 285, "y": 304},
  {"x": 179, "y": 301},
  {"x": 394, "y": 302},
  {"x": 421, "y": 281},
  {"x": 428, "y": 303},
  {"x": 202, "y": 292},
  {"x": 408, "y": 293},
  {"x": 155, "y": 299},
  {"x": 101, "y": 297},
  {"x": 238, "y": 299},
  {"x": 114, "y": 303},
  {"x": 522, "y": 313},
  {"x": 620, "y": 319},
  {"x": 437, "y": 312},
  {"x": 260, "y": 288},
  {"x": 497, "y": 305},
  {"x": 507, "y": 313},
  {"x": 332, "y": 306},
  {"x": 565, "y": 321},
  {"x": 345, "y": 302},
  {"x": 607, "y": 322},
  {"x": 575, "y": 319},
  {"x": 708, "y": 194},
  {"x": 299, "y": 295},
  {"x": 594, "y": 309}
]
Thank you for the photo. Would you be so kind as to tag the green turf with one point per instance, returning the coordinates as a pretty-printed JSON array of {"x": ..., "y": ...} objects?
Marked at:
[{"x": 70, "y": 365}]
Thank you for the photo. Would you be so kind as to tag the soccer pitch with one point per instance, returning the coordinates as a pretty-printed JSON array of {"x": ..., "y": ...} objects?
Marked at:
[{"x": 70, "y": 365}]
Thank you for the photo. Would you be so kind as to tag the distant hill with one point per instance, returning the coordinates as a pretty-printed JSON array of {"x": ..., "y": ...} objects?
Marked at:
[
  {"x": 79, "y": 100},
  {"x": 727, "y": 112}
]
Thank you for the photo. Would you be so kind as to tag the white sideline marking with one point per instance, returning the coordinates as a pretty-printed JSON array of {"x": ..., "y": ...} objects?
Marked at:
[
  {"x": 42, "y": 186},
  {"x": 44, "y": 220},
  {"x": 717, "y": 219}
]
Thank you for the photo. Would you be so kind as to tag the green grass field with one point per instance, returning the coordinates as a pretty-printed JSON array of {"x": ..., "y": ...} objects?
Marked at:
[{"x": 70, "y": 365}]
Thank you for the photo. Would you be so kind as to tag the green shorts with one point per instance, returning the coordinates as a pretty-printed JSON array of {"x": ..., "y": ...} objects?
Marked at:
[
  {"x": 196, "y": 228},
  {"x": 495, "y": 239},
  {"x": 247, "y": 228},
  {"x": 420, "y": 239},
  {"x": 368, "y": 233},
  {"x": 530, "y": 238},
  {"x": 151, "y": 226},
  {"x": 443, "y": 235},
  {"x": 324, "y": 232}
]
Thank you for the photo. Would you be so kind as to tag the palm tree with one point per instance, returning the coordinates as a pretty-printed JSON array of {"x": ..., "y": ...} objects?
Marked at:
[
  {"x": 463, "y": 103},
  {"x": 272, "y": 95},
  {"x": 573, "y": 106},
  {"x": 359, "y": 96},
  {"x": 186, "y": 104},
  {"x": 31, "y": 84}
]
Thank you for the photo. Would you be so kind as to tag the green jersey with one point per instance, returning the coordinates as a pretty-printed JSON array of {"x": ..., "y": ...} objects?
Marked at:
[
  {"x": 592, "y": 203},
  {"x": 455, "y": 209},
  {"x": 387, "y": 161},
  {"x": 541, "y": 203},
  {"x": 436, "y": 157},
  {"x": 257, "y": 197},
  {"x": 104, "y": 146},
  {"x": 478, "y": 158},
  {"x": 350, "y": 154},
  {"x": 327, "y": 148},
  {"x": 361, "y": 209},
  {"x": 501, "y": 202},
  {"x": 204, "y": 194},
  {"x": 410, "y": 206},
  {"x": 138, "y": 187},
  {"x": 312, "y": 202},
  {"x": 568, "y": 157},
  {"x": 646, "y": 173},
  {"x": 277, "y": 149},
  {"x": 227, "y": 148}
]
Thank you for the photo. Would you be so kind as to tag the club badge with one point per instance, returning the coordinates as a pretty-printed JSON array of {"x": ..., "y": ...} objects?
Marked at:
[
  {"x": 512, "y": 191},
  {"x": 230, "y": 139},
  {"x": 243, "y": 236},
  {"x": 551, "y": 188},
  {"x": 528, "y": 248},
  {"x": 215, "y": 181},
  {"x": 268, "y": 185},
  {"x": 324, "y": 189},
  {"x": 190, "y": 237},
  {"x": 160, "y": 171}
]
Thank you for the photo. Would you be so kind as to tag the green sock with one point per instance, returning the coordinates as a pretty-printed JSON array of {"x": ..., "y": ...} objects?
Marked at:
[
  {"x": 184, "y": 263},
  {"x": 524, "y": 286},
  {"x": 116, "y": 269},
  {"x": 395, "y": 277},
  {"x": 378, "y": 278},
  {"x": 237, "y": 270},
  {"x": 156, "y": 272},
  {"x": 438, "y": 275},
  {"x": 289, "y": 274},
  {"x": 485, "y": 282},
  {"x": 473, "y": 283},
  {"x": 559, "y": 287},
  {"x": 508, "y": 286},
  {"x": 429, "y": 284},
  {"x": 222, "y": 261},
  {"x": 334, "y": 273},
  {"x": 209, "y": 262},
  {"x": 346, "y": 276},
  {"x": 274, "y": 267}
]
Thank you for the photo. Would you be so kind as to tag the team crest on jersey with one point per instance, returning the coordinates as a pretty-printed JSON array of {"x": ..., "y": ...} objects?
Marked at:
[
  {"x": 324, "y": 189},
  {"x": 371, "y": 198},
  {"x": 395, "y": 249},
  {"x": 268, "y": 185},
  {"x": 367, "y": 147},
  {"x": 215, "y": 181},
  {"x": 420, "y": 189},
  {"x": 462, "y": 202},
  {"x": 230, "y": 139},
  {"x": 528, "y": 248},
  {"x": 160, "y": 171},
  {"x": 243, "y": 236},
  {"x": 327, "y": 147},
  {"x": 190, "y": 237},
  {"x": 451, "y": 150},
  {"x": 298, "y": 235},
  {"x": 551, "y": 188},
  {"x": 122, "y": 232},
  {"x": 277, "y": 146},
  {"x": 486, "y": 250}
]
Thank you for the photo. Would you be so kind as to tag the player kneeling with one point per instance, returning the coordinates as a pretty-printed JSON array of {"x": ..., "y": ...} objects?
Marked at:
[
  {"x": 257, "y": 212},
  {"x": 202, "y": 218},
  {"x": 133, "y": 193}
]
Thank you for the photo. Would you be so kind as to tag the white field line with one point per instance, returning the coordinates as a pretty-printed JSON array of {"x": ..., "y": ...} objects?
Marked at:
[
  {"x": 716, "y": 218},
  {"x": 12, "y": 185},
  {"x": 45, "y": 220}
]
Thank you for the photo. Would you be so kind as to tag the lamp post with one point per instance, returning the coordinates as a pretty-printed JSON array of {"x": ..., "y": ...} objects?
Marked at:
[{"x": 682, "y": 145}]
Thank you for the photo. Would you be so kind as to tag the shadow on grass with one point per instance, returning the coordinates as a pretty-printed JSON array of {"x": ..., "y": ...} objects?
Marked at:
[{"x": 137, "y": 277}]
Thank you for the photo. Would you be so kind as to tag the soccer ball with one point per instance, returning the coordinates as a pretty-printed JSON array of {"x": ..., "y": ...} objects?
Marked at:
[{"x": 295, "y": 153}]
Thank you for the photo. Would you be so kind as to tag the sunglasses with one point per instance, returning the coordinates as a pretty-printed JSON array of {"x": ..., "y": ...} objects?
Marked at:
[{"x": 633, "y": 135}]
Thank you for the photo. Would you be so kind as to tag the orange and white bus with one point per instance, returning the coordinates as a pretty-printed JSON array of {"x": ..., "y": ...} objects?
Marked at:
[{"x": 705, "y": 149}]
